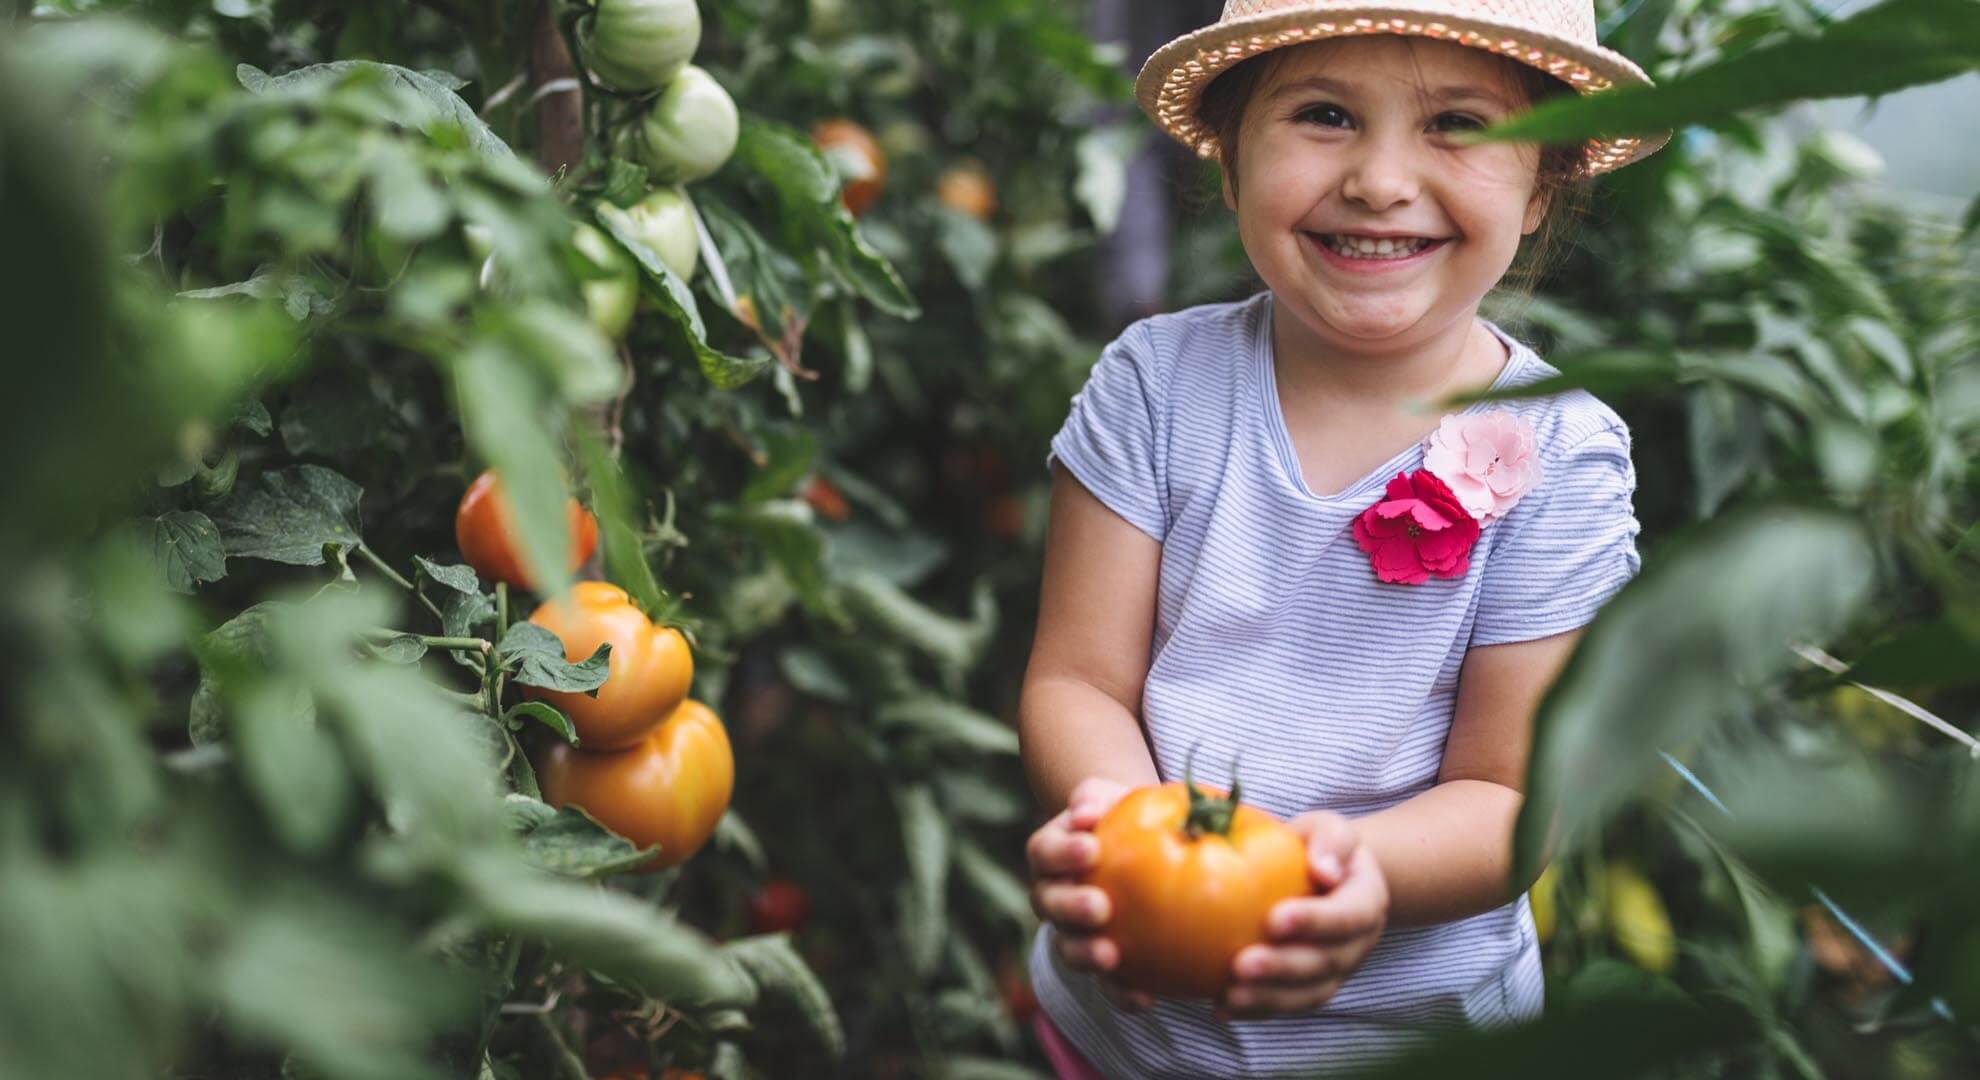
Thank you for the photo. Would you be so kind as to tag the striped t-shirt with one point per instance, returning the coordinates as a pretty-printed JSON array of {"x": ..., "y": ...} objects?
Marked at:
[{"x": 1274, "y": 637}]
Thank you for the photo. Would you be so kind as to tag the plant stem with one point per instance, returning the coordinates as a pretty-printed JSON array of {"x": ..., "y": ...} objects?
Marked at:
[
  {"x": 501, "y": 629},
  {"x": 434, "y": 641},
  {"x": 385, "y": 568}
]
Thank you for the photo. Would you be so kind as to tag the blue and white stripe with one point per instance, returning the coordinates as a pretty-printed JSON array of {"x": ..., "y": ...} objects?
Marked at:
[{"x": 1274, "y": 638}]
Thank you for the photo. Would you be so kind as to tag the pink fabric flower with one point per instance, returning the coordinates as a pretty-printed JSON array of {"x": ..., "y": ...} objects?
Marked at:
[
  {"x": 1420, "y": 529},
  {"x": 1487, "y": 459}
]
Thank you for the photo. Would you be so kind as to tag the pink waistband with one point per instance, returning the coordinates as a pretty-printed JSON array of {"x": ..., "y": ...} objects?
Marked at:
[{"x": 1065, "y": 1060}]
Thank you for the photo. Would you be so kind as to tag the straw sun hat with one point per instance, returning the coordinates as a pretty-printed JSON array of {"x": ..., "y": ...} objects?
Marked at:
[{"x": 1554, "y": 36}]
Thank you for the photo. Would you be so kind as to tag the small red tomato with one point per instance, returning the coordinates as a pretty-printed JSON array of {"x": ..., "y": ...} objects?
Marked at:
[
  {"x": 825, "y": 498},
  {"x": 1018, "y": 998},
  {"x": 781, "y": 904}
]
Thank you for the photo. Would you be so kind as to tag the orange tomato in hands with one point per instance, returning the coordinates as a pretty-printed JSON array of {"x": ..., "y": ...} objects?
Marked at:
[
  {"x": 1190, "y": 876},
  {"x": 486, "y": 534},
  {"x": 650, "y": 666},
  {"x": 670, "y": 788}
]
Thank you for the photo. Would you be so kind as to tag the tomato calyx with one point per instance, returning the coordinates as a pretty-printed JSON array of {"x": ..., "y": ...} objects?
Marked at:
[{"x": 1208, "y": 815}]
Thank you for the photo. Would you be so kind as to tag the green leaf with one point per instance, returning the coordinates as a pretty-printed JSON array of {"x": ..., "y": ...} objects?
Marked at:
[
  {"x": 733, "y": 833},
  {"x": 409, "y": 206},
  {"x": 784, "y": 529},
  {"x": 999, "y": 887},
  {"x": 782, "y": 975},
  {"x": 346, "y": 995},
  {"x": 618, "y": 529},
  {"x": 675, "y": 301},
  {"x": 502, "y": 410},
  {"x": 461, "y": 579},
  {"x": 544, "y": 714},
  {"x": 807, "y": 669},
  {"x": 569, "y": 842},
  {"x": 185, "y": 546},
  {"x": 416, "y": 99},
  {"x": 1104, "y": 154},
  {"x": 295, "y": 768},
  {"x": 399, "y": 649},
  {"x": 968, "y": 244},
  {"x": 952, "y": 641},
  {"x": 537, "y": 657},
  {"x": 1633, "y": 1032},
  {"x": 462, "y": 614},
  {"x": 1877, "y": 50},
  {"x": 333, "y": 416},
  {"x": 792, "y": 452},
  {"x": 609, "y": 932},
  {"x": 970, "y": 797},
  {"x": 808, "y": 204},
  {"x": 971, "y": 1067},
  {"x": 1657, "y": 667},
  {"x": 924, "y": 916},
  {"x": 948, "y": 722},
  {"x": 290, "y": 515},
  {"x": 1942, "y": 652}
]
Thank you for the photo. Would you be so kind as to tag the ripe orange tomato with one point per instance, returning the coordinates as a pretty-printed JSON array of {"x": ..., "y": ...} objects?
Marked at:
[
  {"x": 967, "y": 189},
  {"x": 650, "y": 666},
  {"x": 670, "y": 788},
  {"x": 486, "y": 535},
  {"x": 1191, "y": 876},
  {"x": 857, "y": 158}
]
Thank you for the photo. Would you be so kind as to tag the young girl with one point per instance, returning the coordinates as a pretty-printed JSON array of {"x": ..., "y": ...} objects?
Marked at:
[{"x": 1262, "y": 542}]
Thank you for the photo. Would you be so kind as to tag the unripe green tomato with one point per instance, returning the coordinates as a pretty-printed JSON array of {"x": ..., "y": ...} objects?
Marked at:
[
  {"x": 664, "y": 221},
  {"x": 691, "y": 129},
  {"x": 610, "y": 281},
  {"x": 639, "y": 44}
]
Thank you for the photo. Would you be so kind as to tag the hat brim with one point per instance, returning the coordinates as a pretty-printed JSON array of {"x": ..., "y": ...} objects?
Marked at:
[{"x": 1174, "y": 77}]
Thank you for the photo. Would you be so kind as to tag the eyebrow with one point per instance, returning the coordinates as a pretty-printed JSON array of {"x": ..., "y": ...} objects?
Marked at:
[{"x": 1445, "y": 94}]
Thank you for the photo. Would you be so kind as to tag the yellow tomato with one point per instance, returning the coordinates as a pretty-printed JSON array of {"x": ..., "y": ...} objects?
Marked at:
[{"x": 1638, "y": 923}]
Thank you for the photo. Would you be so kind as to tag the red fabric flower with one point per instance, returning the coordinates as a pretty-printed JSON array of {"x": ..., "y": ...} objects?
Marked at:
[{"x": 1419, "y": 529}]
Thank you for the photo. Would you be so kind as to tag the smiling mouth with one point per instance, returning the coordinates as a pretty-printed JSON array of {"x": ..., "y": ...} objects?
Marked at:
[{"x": 1375, "y": 250}]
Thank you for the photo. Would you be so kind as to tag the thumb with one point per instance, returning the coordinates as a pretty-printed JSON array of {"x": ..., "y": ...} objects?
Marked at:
[{"x": 1331, "y": 841}]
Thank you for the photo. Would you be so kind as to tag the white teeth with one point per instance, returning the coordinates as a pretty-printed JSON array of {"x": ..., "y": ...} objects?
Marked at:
[{"x": 1364, "y": 248}]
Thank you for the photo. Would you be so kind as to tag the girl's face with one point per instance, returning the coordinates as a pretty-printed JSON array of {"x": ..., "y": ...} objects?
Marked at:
[{"x": 1338, "y": 140}]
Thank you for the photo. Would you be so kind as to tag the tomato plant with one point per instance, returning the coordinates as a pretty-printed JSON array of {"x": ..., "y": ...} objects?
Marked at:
[
  {"x": 1191, "y": 873},
  {"x": 667, "y": 789},
  {"x": 650, "y": 666}
]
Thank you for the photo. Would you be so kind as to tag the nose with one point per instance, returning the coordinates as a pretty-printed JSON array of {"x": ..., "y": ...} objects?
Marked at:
[{"x": 1382, "y": 173}]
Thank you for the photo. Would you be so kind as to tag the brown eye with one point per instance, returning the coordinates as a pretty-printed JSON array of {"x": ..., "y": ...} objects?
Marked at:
[
  {"x": 1321, "y": 110},
  {"x": 1467, "y": 121}
]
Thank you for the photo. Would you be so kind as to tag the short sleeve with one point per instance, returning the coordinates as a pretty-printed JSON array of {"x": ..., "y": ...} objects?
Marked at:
[
  {"x": 1110, "y": 441},
  {"x": 1570, "y": 545}
]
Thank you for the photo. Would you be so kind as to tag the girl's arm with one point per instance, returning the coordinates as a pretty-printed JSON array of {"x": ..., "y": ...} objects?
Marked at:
[
  {"x": 1447, "y": 853},
  {"x": 1078, "y": 713}
]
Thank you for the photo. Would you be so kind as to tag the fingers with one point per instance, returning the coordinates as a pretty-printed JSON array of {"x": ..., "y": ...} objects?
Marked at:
[
  {"x": 1269, "y": 965},
  {"x": 1089, "y": 952},
  {"x": 1090, "y": 800},
  {"x": 1331, "y": 844},
  {"x": 1073, "y": 908},
  {"x": 1347, "y": 912},
  {"x": 1252, "y": 1002},
  {"x": 1055, "y": 850}
]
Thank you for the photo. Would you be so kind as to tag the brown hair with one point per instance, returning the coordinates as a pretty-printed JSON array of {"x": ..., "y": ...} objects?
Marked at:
[{"x": 1221, "y": 109}]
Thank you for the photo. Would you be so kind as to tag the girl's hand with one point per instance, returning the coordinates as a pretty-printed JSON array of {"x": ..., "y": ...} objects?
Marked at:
[
  {"x": 1317, "y": 941},
  {"x": 1059, "y": 853}
]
